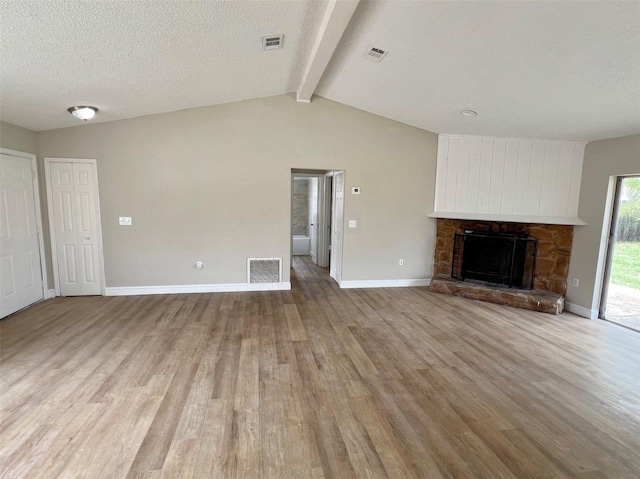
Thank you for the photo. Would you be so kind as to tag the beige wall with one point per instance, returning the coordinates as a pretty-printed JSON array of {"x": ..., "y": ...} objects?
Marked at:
[
  {"x": 17, "y": 138},
  {"x": 602, "y": 160},
  {"x": 213, "y": 184}
]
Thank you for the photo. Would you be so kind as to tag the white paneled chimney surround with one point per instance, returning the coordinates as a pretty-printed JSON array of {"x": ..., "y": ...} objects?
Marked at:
[{"x": 508, "y": 179}]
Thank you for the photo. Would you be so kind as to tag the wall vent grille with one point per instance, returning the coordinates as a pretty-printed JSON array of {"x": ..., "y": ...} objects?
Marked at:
[
  {"x": 264, "y": 270},
  {"x": 272, "y": 42}
]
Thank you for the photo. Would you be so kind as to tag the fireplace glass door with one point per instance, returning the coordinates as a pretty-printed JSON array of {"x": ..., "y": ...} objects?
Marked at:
[{"x": 496, "y": 258}]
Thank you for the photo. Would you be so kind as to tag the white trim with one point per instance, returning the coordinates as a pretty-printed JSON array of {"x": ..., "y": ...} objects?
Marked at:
[
  {"x": 548, "y": 220},
  {"x": 335, "y": 268},
  {"x": 384, "y": 283},
  {"x": 581, "y": 311},
  {"x": 324, "y": 220},
  {"x": 51, "y": 293},
  {"x": 54, "y": 255},
  {"x": 195, "y": 288},
  {"x": 36, "y": 194},
  {"x": 324, "y": 214},
  {"x": 603, "y": 249},
  {"x": 478, "y": 137}
]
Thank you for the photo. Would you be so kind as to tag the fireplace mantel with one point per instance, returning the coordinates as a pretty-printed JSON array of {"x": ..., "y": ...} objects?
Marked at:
[{"x": 548, "y": 220}]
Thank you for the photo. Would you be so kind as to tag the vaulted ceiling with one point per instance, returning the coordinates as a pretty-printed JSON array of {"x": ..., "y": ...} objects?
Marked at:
[{"x": 551, "y": 70}]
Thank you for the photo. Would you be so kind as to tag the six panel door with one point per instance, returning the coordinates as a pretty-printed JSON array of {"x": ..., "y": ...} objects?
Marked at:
[
  {"x": 75, "y": 228},
  {"x": 20, "y": 271}
]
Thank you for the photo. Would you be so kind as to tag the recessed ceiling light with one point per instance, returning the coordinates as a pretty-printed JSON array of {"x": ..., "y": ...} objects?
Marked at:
[
  {"x": 468, "y": 113},
  {"x": 83, "y": 112}
]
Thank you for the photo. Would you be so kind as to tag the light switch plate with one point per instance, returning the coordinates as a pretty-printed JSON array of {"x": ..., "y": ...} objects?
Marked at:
[
  {"x": 352, "y": 223},
  {"x": 125, "y": 220}
]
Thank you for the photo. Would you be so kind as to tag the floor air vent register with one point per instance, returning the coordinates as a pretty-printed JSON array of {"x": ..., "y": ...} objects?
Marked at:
[{"x": 264, "y": 270}]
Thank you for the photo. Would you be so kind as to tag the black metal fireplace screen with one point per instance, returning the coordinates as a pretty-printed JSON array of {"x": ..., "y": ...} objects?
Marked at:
[{"x": 503, "y": 259}]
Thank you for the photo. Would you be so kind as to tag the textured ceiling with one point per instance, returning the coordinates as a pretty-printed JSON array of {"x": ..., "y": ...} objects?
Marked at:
[
  {"x": 549, "y": 70},
  {"x": 553, "y": 70},
  {"x": 133, "y": 58}
]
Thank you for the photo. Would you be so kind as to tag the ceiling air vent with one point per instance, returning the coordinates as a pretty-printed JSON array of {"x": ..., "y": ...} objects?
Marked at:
[
  {"x": 272, "y": 42},
  {"x": 375, "y": 54}
]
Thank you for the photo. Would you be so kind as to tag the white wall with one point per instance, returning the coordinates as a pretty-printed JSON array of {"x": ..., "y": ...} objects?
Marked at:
[
  {"x": 534, "y": 181},
  {"x": 602, "y": 161},
  {"x": 213, "y": 184}
]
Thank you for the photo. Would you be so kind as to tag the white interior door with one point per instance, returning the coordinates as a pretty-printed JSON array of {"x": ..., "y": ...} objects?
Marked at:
[
  {"x": 313, "y": 219},
  {"x": 20, "y": 265},
  {"x": 74, "y": 198},
  {"x": 335, "y": 268},
  {"x": 324, "y": 219}
]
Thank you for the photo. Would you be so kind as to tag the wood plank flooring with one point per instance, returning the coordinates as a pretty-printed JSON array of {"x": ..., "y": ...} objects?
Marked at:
[{"x": 315, "y": 383}]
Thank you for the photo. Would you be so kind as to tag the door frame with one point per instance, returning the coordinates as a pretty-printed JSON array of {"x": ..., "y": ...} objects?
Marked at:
[
  {"x": 335, "y": 272},
  {"x": 609, "y": 243},
  {"x": 52, "y": 230},
  {"x": 294, "y": 175},
  {"x": 322, "y": 245},
  {"x": 36, "y": 195},
  {"x": 326, "y": 211}
]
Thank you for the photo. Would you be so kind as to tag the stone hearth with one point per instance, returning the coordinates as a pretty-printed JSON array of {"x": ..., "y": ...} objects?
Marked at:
[
  {"x": 534, "y": 300},
  {"x": 551, "y": 271}
]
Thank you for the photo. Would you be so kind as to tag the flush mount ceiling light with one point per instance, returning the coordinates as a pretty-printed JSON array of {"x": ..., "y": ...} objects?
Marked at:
[
  {"x": 468, "y": 113},
  {"x": 83, "y": 112}
]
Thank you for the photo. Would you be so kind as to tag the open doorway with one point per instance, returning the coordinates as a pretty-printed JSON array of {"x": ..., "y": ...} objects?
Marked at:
[
  {"x": 316, "y": 237},
  {"x": 621, "y": 289}
]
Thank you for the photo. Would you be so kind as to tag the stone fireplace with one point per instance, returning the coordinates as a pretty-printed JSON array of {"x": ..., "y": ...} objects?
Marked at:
[{"x": 550, "y": 272}]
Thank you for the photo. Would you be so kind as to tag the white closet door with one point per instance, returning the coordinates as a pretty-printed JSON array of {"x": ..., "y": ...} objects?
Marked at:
[
  {"x": 20, "y": 273},
  {"x": 76, "y": 228}
]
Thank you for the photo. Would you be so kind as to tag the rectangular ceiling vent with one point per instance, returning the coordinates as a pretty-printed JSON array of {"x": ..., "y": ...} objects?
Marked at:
[
  {"x": 272, "y": 42},
  {"x": 264, "y": 270},
  {"x": 375, "y": 54}
]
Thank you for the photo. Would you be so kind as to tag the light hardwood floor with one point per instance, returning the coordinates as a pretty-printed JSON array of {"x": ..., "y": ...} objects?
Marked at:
[{"x": 315, "y": 383}]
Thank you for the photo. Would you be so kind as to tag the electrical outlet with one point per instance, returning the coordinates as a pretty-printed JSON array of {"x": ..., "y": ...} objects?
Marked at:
[
  {"x": 353, "y": 223},
  {"x": 576, "y": 282},
  {"x": 124, "y": 220},
  {"x": 401, "y": 262},
  {"x": 199, "y": 265}
]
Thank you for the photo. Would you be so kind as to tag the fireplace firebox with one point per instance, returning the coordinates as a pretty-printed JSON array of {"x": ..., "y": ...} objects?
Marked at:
[{"x": 503, "y": 259}]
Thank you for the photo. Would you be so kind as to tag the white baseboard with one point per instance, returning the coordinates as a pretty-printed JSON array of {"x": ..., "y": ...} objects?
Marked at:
[
  {"x": 385, "y": 283},
  {"x": 195, "y": 288},
  {"x": 581, "y": 311},
  {"x": 50, "y": 293}
]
